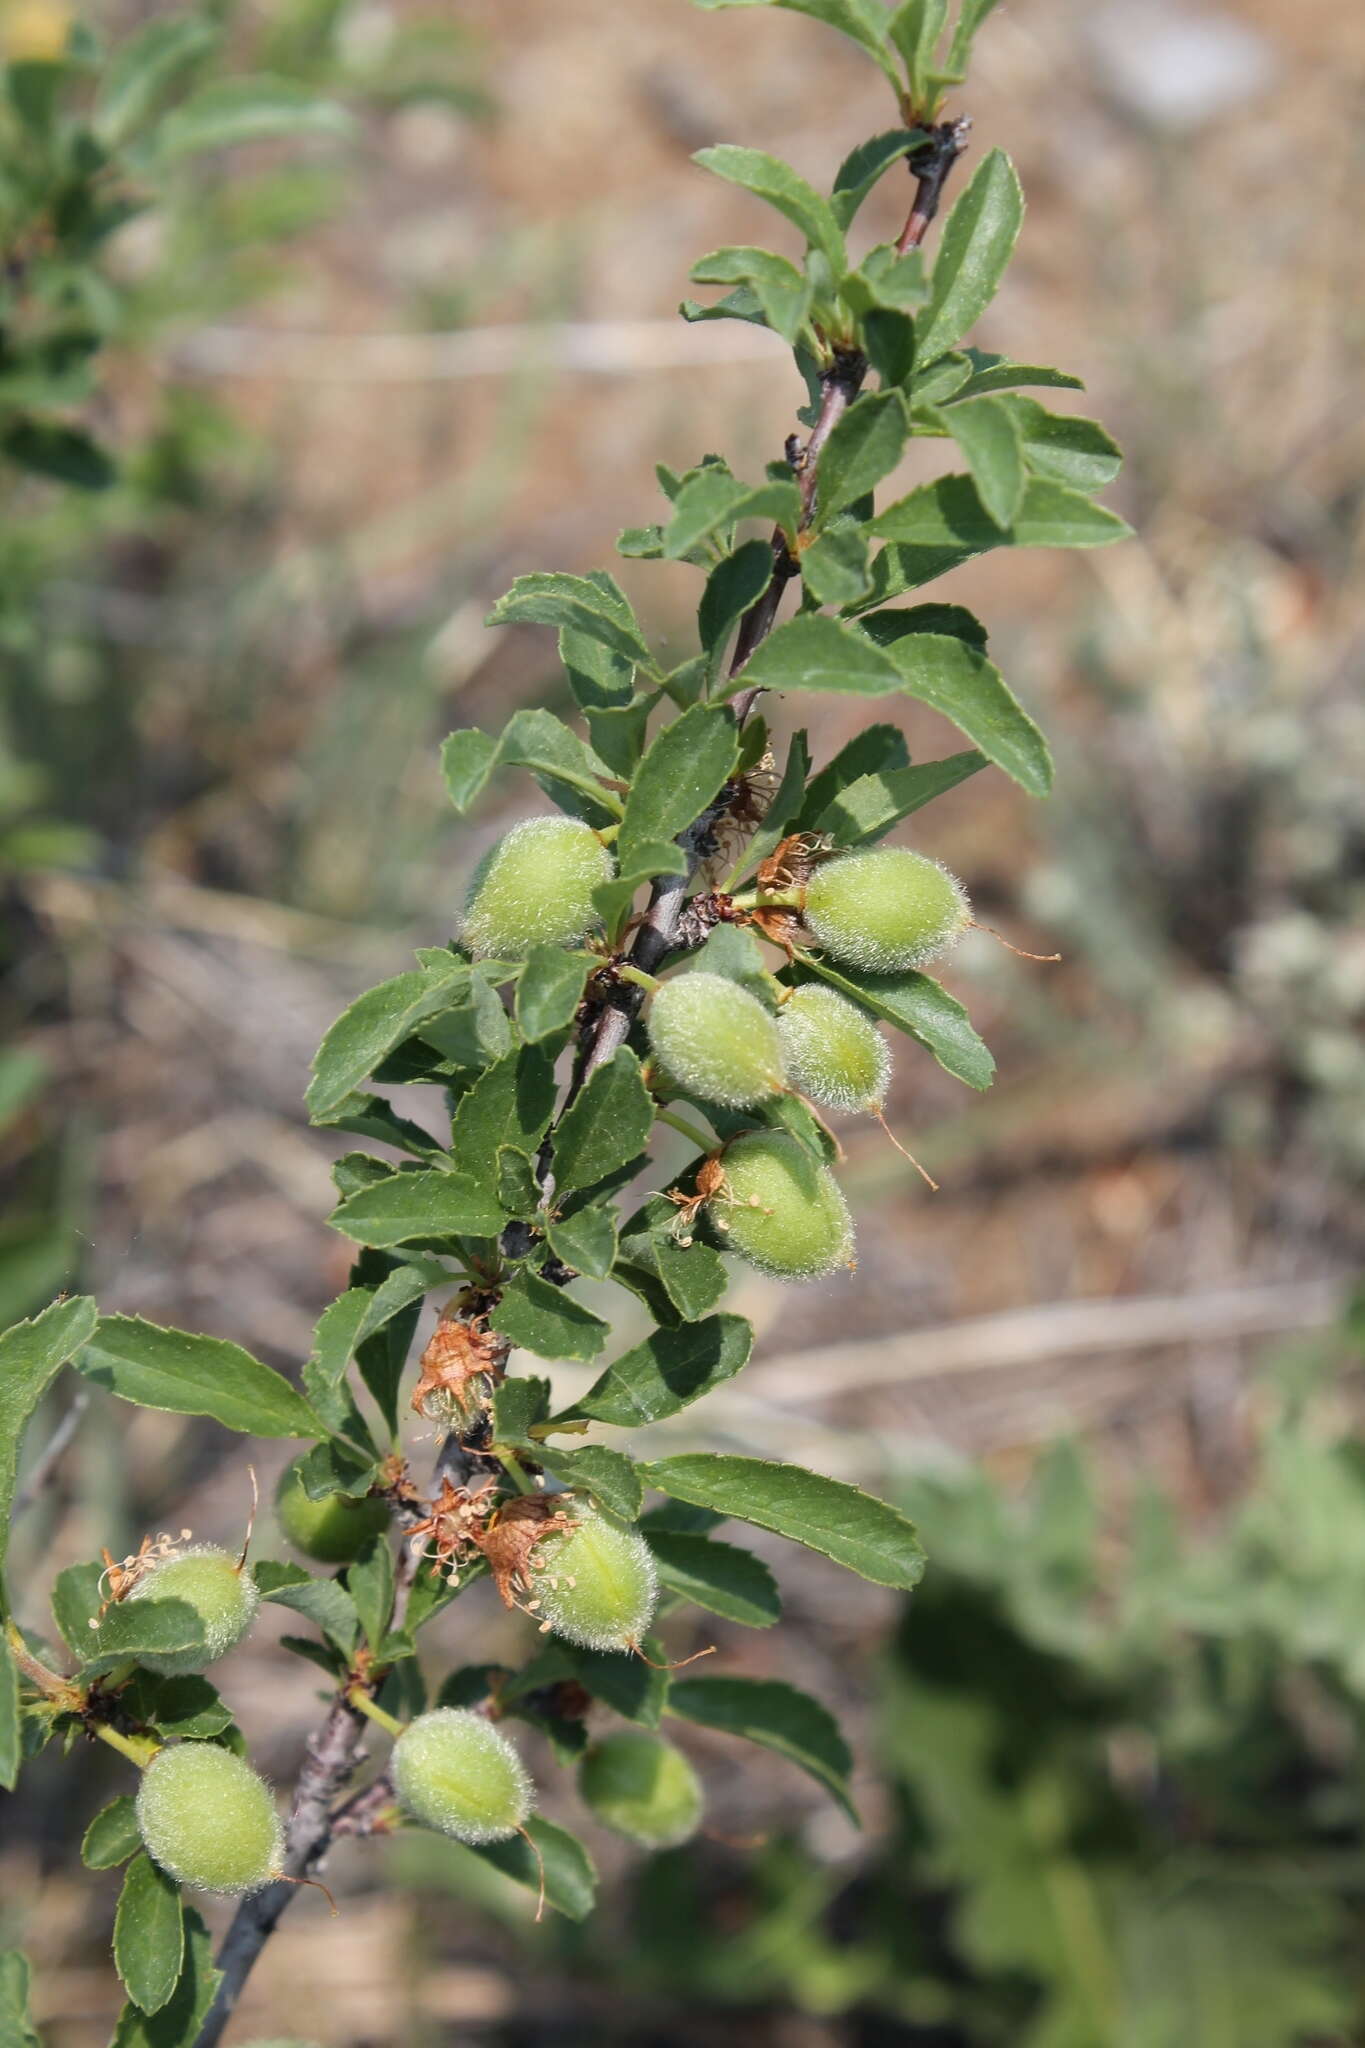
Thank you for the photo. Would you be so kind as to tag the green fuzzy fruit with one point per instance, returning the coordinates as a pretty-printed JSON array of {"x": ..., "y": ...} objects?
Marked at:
[
  {"x": 716, "y": 1040},
  {"x": 222, "y": 1595},
  {"x": 596, "y": 1584},
  {"x": 835, "y": 1053},
  {"x": 208, "y": 1819},
  {"x": 781, "y": 1209},
  {"x": 642, "y": 1787},
  {"x": 455, "y": 1773},
  {"x": 535, "y": 888},
  {"x": 334, "y": 1530},
  {"x": 886, "y": 909}
]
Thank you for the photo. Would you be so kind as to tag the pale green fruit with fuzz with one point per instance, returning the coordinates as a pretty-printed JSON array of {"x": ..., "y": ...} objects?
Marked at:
[
  {"x": 781, "y": 1209},
  {"x": 207, "y": 1818},
  {"x": 596, "y": 1583},
  {"x": 642, "y": 1788},
  {"x": 716, "y": 1040},
  {"x": 454, "y": 1772},
  {"x": 834, "y": 1052},
  {"x": 222, "y": 1594},
  {"x": 334, "y": 1530},
  {"x": 534, "y": 888},
  {"x": 886, "y": 909}
]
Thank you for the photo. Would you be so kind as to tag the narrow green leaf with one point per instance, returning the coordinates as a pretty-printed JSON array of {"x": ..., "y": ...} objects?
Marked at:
[
  {"x": 781, "y": 289},
  {"x": 325, "y": 1602},
  {"x": 978, "y": 241},
  {"x": 944, "y": 523},
  {"x": 606, "y": 1126},
  {"x": 816, "y": 653},
  {"x": 778, "y": 1716},
  {"x": 986, "y": 432},
  {"x": 594, "y": 606},
  {"x": 713, "y": 501},
  {"x": 558, "y": 758},
  {"x": 609, "y": 1476},
  {"x": 862, "y": 168},
  {"x": 149, "y": 1934},
  {"x": 193, "y": 1375},
  {"x": 66, "y": 455},
  {"x": 178, "y": 2022},
  {"x": 876, "y": 750},
  {"x": 374, "y": 1024},
  {"x": 16, "y": 2015},
  {"x": 140, "y": 70},
  {"x": 869, "y": 807},
  {"x": 511, "y": 1103},
  {"x": 719, "y": 1577},
  {"x": 406, "y": 1207},
  {"x": 680, "y": 774},
  {"x": 31, "y": 1356},
  {"x": 569, "y": 1875},
  {"x": 550, "y": 990},
  {"x": 998, "y": 373},
  {"x": 733, "y": 588},
  {"x": 840, "y": 1521},
  {"x": 769, "y": 178},
  {"x": 370, "y": 1583},
  {"x": 468, "y": 759},
  {"x": 864, "y": 446},
  {"x": 957, "y": 680},
  {"x": 918, "y": 1005},
  {"x": 235, "y": 110},
  {"x": 544, "y": 1319},
  {"x": 667, "y": 1371},
  {"x": 11, "y": 1728},
  {"x": 1063, "y": 446},
  {"x": 112, "y": 1836}
]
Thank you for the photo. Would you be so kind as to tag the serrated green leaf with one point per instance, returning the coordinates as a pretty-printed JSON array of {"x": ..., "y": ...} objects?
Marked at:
[
  {"x": 184, "y": 1707},
  {"x": 815, "y": 653},
  {"x": 719, "y": 1577},
  {"x": 609, "y": 1476},
  {"x": 370, "y": 1583},
  {"x": 550, "y": 990},
  {"x": 594, "y": 606},
  {"x": 112, "y": 1836},
  {"x": 407, "y": 1207},
  {"x": 855, "y": 1529},
  {"x": 917, "y": 1004},
  {"x": 518, "y": 1404},
  {"x": 864, "y": 166},
  {"x": 373, "y": 1025},
  {"x": 767, "y": 177},
  {"x": 998, "y": 373},
  {"x": 779, "y": 1717},
  {"x": 958, "y": 681},
  {"x": 511, "y": 1103},
  {"x": 325, "y": 1602},
  {"x": 681, "y": 773},
  {"x": 16, "y": 2015},
  {"x": 130, "y": 1630},
  {"x": 178, "y": 2022},
  {"x": 863, "y": 447},
  {"x": 31, "y": 1356},
  {"x": 734, "y": 586},
  {"x": 977, "y": 243},
  {"x": 586, "y": 1242},
  {"x": 834, "y": 565},
  {"x": 713, "y": 501},
  {"x": 863, "y": 21},
  {"x": 140, "y": 70},
  {"x": 783, "y": 291},
  {"x": 11, "y": 1724},
  {"x": 676, "y": 1281},
  {"x": 538, "y": 1317},
  {"x": 149, "y": 1934},
  {"x": 600, "y": 679},
  {"x": 1062, "y": 446},
  {"x": 876, "y": 750},
  {"x": 869, "y": 807},
  {"x": 558, "y": 1859},
  {"x": 234, "y": 110},
  {"x": 668, "y": 1370},
  {"x": 559, "y": 759},
  {"x": 944, "y": 523},
  {"x": 606, "y": 1126},
  {"x": 986, "y": 432},
  {"x": 194, "y": 1375}
]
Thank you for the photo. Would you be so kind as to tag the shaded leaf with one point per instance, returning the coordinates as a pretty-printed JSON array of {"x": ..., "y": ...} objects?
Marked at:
[
  {"x": 986, "y": 432},
  {"x": 864, "y": 166},
  {"x": 149, "y": 1934},
  {"x": 667, "y": 1371},
  {"x": 778, "y": 1716},
  {"x": 683, "y": 769},
  {"x": 713, "y": 501},
  {"x": 569, "y": 1873},
  {"x": 550, "y": 989},
  {"x": 607, "y": 1124},
  {"x": 31, "y": 1355},
  {"x": 585, "y": 1241},
  {"x": 178, "y": 2022},
  {"x": 864, "y": 446},
  {"x": 609, "y": 1476},
  {"x": 112, "y": 1836},
  {"x": 958, "y": 680},
  {"x": 869, "y": 807},
  {"x": 720, "y": 1577},
  {"x": 538, "y": 1317},
  {"x": 376, "y": 1022},
  {"x": 783, "y": 291}
]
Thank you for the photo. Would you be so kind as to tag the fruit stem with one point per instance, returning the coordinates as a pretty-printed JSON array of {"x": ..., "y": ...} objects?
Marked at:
[
  {"x": 357, "y": 1697},
  {"x": 512, "y": 1466},
  {"x": 637, "y": 974},
  {"x": 768, "y": 899},
  {"x": 689, "y": 1130},
  {"x": 139, "y": 1749}
]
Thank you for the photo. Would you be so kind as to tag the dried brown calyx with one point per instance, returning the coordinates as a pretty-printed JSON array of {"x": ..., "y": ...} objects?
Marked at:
[{"x": 461, "y": 1349}]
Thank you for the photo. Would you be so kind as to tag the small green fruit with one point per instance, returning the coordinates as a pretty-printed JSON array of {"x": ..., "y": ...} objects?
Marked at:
[
  {"x": 222, "y": 1593},
  {"x": 886, "y": 909},
  {"x": 334, "y": 1530},
  {"x": 535, "y": 888},
  {"x": 781, "y": 1209},
  {"x": 642, "y": 1787},
  {"x": 835, "y": 1053},
  {"x": 596, "y": 1584},
  {"x": 208, "y": 1819},
  {"x": 454, "y": 1772},
  {"x": 716, "y": 1040}
]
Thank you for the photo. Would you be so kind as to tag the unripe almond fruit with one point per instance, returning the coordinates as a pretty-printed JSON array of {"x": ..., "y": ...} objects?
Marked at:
[
  {"x": 641, "y": 1787},
  {"x": 886, "y": 909},
  {"x": 222, "y": 1593},
  {"x": 208, "y": 1819},
  {"x": 716, "y": 1040},
  {"x": 834, "y": 1052},
  {"x": 454, "y": 1772},
  {"x": 781, "y": 1209},
  {"x": 596, "y": 1583},
  {"x": 535, "y": 888},
  {"x": 334, "y": 1530}
]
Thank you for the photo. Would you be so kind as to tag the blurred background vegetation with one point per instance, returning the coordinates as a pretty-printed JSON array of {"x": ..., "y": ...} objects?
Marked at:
[{"x": 279, "y": 417}]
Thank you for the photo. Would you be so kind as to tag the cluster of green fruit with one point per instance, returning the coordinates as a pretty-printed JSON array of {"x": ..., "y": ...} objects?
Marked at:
[
  {"x": 209, "y": 1819},
  {"x": 884, "y": 909}
]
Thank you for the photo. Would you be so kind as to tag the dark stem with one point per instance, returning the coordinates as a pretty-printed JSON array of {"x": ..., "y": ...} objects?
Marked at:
[{"x": 931, "y": 167}]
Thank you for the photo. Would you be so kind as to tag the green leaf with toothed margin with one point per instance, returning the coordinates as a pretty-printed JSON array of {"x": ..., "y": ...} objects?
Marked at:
[
  {"x": 720, "y": 1577},
  {"x": 778, "y": 1716},
  {"x": 606, "y": 1125},
  {"x": 194, "y": 1375},
  {"x": 957, "y": 680},
  {"x": 665, "y": 1373},
  {"x": 977, "y": 243},
  {"x": 557, "y": 1859},
  {"x": 31, "y": 1356},
  {"x": 917, "y": 1004},
  {"x": 149, "y": 1934},
  {"x": 868, "y": 808},
  {"x": 595, "y": 605},
  {"x": 767, "y": 177},
  {"x": 538, "y": 1317}
]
